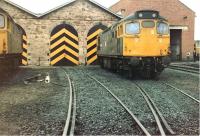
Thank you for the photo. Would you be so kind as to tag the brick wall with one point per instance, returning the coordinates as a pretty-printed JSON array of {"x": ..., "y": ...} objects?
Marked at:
[
  {"x": 82, "y": 15},
  {"x": 173, "y": 10}
]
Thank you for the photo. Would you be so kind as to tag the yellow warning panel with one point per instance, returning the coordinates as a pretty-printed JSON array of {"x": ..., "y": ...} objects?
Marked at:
[
  {"x": 64, "y": 48},
  {"x": 92, "y": 43}
]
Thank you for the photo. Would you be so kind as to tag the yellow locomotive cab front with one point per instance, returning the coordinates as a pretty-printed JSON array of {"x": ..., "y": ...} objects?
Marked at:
[
  {"x": 138, "y": 43},
  {"x": 146, "y": 38}
]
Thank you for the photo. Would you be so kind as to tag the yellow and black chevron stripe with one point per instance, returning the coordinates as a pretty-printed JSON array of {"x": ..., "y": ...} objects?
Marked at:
[
  {"x": 92, "y": 43},
  {"x": 25, "y": 50},
  {"x": 64, "y": 48}
]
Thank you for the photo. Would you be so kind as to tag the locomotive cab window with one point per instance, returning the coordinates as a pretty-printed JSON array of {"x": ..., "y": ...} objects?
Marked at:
[
  {"x": 162, "y": 28},
  {"x": 133, "y": 28},
  {"x": 148, "y": 24},
  {"x": 2, "y": 21}
]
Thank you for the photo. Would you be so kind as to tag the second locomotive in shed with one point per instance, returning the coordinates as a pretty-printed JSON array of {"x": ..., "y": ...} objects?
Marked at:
[
  {"x": 138, "y": 43},
  {"x": 10, "y": 42}
]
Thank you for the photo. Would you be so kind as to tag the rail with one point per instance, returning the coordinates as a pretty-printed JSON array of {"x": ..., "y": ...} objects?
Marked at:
[
  {"x": 183, "y": 92},
  {"x": 157, "y": 114},
  {"x": 71, "y": 116},
  {"x": 185, "y": 69},
  {"x": 124, "y": 106}
]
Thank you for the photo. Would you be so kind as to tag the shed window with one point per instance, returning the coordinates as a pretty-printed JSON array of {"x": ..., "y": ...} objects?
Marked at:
[
  {"x": 2, "y": 21},
  {"x": 133, "y": 28}
]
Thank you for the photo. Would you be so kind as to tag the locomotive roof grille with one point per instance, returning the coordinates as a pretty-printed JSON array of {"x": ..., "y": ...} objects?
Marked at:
[{"x": 145, "y": 14}]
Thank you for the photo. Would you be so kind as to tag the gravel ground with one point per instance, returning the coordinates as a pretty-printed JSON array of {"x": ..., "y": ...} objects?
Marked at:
[
  {"x": 33, "y": 109},
  {"x": 192, "y": 64},
  {"x": 176, "y": 108},
  {"x": 97, "y": 112},
  {"x": 41, "y": 109},
  {"x": 129, "y": 95},
  {"x": 196, "y": 64},
  {"x": 182, "y": 80}
]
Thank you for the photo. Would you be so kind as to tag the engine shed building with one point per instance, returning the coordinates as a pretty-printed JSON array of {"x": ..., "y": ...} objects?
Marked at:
[
  {"x": 180, "y": 17},
  {"x": 65, "y": 35}
]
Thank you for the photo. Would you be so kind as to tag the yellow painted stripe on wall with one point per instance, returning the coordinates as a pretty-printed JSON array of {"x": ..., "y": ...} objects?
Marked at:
[
  {"x": 64, "y": 47},
  {"x": 94, "y": 34},
  {"x": 62, "y": 32},
  {"x": 53, "y": 62},
  {"x": 92, "y": 60},
  {"x": 72, "y": 59},
  {"x": 57, "y": 51},
  {"x": 91, "y": 52},
  {"x": 62, "y": 40},
  {"x": 64, "y": 56},
  {"x": 24, "y": 38},
  {"x": 91, "y": 44},
  {"x": 24, "y": 62},
  {"x": 25, "y": 54},
  {"x": 25, "y": 46}
]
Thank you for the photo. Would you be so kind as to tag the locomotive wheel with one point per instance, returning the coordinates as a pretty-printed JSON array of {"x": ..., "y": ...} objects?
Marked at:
[
  {"x": 150, "y": 75},
  {"x": 155, "y": 75},
  {"x": 102, "y": 65},
  {"x": 130, "y": 73},
  {"x": 146, "y": 73}
]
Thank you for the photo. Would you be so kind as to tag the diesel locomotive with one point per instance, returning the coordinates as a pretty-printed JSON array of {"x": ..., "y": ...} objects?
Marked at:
[
  {"x": 139, "y": 43},
  {"x": 10, "y": 42}
]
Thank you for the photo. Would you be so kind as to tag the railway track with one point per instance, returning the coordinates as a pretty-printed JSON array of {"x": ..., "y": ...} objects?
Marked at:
[
  {"x": 123, "y": 105},
  {"x": 71, "y": 116},
  {"x": 105, "y": 121},
  {"x": 182, "y": 92},
  {"x": 160, "y": 120},
  {"x": 185, "y": 68}
]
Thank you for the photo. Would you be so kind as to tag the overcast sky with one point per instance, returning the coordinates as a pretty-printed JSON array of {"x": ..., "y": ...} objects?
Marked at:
[{"x": 41, "y": 6}]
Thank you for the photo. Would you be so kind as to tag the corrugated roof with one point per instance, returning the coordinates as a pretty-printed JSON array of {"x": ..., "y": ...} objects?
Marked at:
[{"x": 57, "y": 8}]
